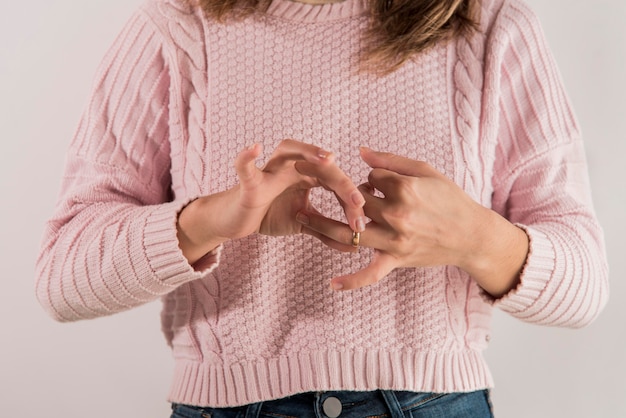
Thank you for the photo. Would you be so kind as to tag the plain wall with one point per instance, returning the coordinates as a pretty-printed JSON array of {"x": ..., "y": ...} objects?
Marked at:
[{"x": 120, "y": 366}]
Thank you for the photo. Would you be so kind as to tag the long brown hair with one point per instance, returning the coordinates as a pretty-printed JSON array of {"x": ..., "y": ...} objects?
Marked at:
[{"x": 398, "y": 30}]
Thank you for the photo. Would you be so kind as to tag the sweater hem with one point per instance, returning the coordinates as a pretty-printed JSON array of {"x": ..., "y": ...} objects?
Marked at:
[{"x": 219, "y": 385}]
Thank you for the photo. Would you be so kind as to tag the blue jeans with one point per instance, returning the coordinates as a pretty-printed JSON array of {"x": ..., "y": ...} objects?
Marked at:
[{"x": 376, "y": 404}]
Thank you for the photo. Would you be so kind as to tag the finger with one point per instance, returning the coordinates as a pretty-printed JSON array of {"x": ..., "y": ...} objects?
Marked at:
[
  {"x": 335, "y": 230},
  {"x": 389, "y": 183},
  {"x": 332, "y": 178},
  {"x": 245, "y": 163},
  {"x": 289, "y": 150},
  {"x": 381, "y": 265},
  {"x": 330, "y": 242},
  {"x": 367, "y": 190},
  {"x": 397, "y": 164},
  {"x": 374, "y": 236},
  {"x": 374, "y": 205},
  {"x": 304, "y": 218}
]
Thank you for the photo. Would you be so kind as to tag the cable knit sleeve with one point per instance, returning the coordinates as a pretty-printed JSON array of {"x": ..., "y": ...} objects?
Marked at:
[
  {"x": 111, "y": 244},
  {"x": 541, "y": 181}
]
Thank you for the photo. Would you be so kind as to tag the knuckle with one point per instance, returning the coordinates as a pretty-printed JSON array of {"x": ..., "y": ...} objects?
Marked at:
[
  {"x": 394, "y": 215},
  {"x": 402, "y": 247},
  {"x": 283, "y": 143},
  {"x": 371, "y": 178},
  {"x": 399, "y": 244},
  {"x": 336, "y": 180},
  {"x": 422, "y": 164},
  {"x": 404, "y": 186},
  {"x": 344, "y": 183}
]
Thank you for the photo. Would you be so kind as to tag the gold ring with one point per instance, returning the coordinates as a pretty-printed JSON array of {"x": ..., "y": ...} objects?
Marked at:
[{"x": 356, "y": 237}]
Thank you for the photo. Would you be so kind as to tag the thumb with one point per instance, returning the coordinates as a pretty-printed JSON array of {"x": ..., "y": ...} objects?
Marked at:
[
  {"x": 381, "y": 265},
  {"x": 245, "y": 163}
]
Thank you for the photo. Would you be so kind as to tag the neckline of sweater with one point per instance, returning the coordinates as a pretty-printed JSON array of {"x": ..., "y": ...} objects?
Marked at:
[{"x": 317, "y": 13}]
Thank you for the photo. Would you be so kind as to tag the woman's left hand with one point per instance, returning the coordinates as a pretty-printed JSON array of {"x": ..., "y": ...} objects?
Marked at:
[{"x": 424, "y": 219}]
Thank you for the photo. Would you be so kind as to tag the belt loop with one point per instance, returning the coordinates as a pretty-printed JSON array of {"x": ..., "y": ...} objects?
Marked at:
[
  {"x": 392, "y": 403},
  {"x": 254, "y": 410}
]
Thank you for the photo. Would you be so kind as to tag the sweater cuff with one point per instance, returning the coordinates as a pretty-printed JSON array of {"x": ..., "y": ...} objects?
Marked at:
[
  {"x": 536, "y": 273},
  {"x": 166, "y": 259}
]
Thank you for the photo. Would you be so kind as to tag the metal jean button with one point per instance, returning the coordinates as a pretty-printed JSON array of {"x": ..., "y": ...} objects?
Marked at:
[{"x": 332, "y": 407}]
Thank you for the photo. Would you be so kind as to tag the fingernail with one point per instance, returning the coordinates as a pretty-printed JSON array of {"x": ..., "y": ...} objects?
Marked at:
[
  {"x": 360, "y": 224},
  {"x": 336, "y": 285},
  {"x": 357, "y": 198},
  {"x": 323, "y": 154},
  {"x": 302, "y": 218}
]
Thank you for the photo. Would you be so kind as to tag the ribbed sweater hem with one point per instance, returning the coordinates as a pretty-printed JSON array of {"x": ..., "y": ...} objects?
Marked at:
[{"x": 217, "y": 385}]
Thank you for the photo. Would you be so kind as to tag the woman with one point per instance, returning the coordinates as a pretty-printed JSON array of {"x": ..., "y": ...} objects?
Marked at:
[{"x": 285, "y": 299}]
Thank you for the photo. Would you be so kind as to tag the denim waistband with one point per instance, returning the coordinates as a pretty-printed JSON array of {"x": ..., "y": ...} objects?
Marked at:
[
  {"x": 383, "y": 403},
  {"x": 332, "y": 404}
]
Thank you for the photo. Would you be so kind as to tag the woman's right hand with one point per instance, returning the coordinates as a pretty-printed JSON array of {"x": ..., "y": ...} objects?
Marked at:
[{"x": 267, "y": 199}]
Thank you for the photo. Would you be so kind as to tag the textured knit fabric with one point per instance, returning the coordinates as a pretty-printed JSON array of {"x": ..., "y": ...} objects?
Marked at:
[{"x": 178, "y": 96}]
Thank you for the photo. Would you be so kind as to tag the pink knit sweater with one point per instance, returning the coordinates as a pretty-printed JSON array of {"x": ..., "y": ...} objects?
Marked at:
[{"x": 177, "y": 97}]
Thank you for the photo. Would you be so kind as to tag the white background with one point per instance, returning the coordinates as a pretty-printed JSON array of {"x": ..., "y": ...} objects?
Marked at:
[{"x": 121, "y": 367}]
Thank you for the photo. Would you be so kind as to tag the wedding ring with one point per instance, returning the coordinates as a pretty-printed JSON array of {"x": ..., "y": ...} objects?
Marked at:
[{"x": 356, "y": 237}]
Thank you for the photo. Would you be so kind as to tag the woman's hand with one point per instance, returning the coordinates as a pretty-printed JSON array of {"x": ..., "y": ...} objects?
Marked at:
[
  {"x": 266, "y": 200},
  {"x": 424, "y": 219}
]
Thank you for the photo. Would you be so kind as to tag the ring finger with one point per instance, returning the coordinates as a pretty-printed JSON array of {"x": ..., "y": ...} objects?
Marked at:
[{"x": 374, "y": 235}]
